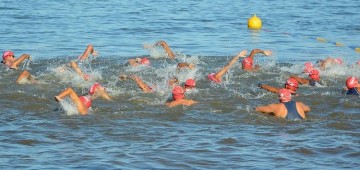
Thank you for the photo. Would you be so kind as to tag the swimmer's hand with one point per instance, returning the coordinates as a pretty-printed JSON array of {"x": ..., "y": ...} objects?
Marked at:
[
  {"x": 267, "y": 52},
  {"x": 58, "y": 99},
  {"x": 94, "y": 53},
  {"x": 260, "y": 85},
  {"x": 122, "y": 77},
  {"x": 242, "y": 53}
]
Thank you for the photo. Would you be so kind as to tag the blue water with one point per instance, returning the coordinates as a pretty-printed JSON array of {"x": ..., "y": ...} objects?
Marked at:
[{"x": 136, "y": 130}]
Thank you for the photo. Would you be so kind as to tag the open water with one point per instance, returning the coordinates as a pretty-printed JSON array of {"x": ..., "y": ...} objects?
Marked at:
[{"x": 136, "y": 130}]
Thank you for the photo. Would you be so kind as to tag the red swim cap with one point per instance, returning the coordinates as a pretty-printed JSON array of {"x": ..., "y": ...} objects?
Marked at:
[
  {"x": 86, "y": 101},
  {"x": 314, "y": 74},
  {"x": 247, "y": 62},
  {"x": 145, "y": 61},
  {"x": 93, "y": 88},
  {"x": 178, "y": 93},
  {"x": 338, "y": 60},
  {"x": 292, "y": 82},
  {"x": 190, "y": 83},
  {"x": 284, "y": 95},
  {"x": 352, "y": 82},
  {"x": 7, "y": 54}
]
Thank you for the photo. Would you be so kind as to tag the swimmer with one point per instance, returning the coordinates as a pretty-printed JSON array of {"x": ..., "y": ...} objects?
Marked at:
[
  {"x": 248, "y": 62},
  {"x": 308, "y": 67},
  {"x": 328, "y": 62},
  {"x": 217, "y": 77},
  {"x": 165, "y": 46},
  {"x": 139, "y": 61},
  {"x": 352, "y": 86},
  {"x": 25, "y": 78},
  {"x": 313, "y": 80},
  {"x": 288, "y": 109},
  {"x": 83, "y": 103},
  {"x": 142, "y": 85},
  {"x": 189, "y": 84},
  {"x": 291, "y": 84},
  {"x": 178, "y": 94},
  {"x": 11, "y": 62},
  {"x": 185, "y": 65},
  {"x": 89, "y": 50}
]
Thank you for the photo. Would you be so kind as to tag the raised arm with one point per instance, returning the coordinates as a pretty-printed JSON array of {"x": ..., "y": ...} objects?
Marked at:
[
  {"x": 75, "y": 98},
  {"x": 89, "y": 50},
  {"x": 220, "y": 73},
  {"x": 25, "y": 75},
  {"x": 256, "y": 51},
  {"x": 300, "y": 80},
  {"x": 15, "y": 64},
  {"x": 167, "y": 48}
]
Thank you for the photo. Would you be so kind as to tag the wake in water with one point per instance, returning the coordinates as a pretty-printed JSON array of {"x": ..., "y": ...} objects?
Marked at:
[{"x": 237, "y": 87}]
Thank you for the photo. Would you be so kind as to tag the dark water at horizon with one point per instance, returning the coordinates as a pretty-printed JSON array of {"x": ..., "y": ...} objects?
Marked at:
[{"x": 136, "y": 130}]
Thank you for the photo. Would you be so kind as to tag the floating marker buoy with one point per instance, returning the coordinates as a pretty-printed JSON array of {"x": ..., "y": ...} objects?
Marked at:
[{"x": 254, "y": 22}]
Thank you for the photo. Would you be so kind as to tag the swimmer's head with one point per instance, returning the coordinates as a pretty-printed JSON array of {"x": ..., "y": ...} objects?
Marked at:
[
  {"x": 284, "y": 95},
  {"x": 308, "y": 67},
  {"x": 247, "y": 62},
  {"x": 352, "y": 82},
  {"x": 145, "y": 61},
  {"x": 178, "y": 93},
  {"x": 190, "y": 83},
  {"x": 338, "y": 60},
  {"x": 7, "y": 54},
  {"x": 94, "y": 87},
  {"x": 291, "y": 84},
  {"x": 314, "y": 74},
  {"x": 138, "y": 59}
]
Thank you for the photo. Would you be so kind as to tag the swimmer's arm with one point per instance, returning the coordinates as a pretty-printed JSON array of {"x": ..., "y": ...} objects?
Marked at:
[
  {"x": 256, "y": 51},
  {"x": 133, "y": 62},
  {"x": 268, "y": 109},
  {"x": 75, "y": 98},
  {"x": 77, "y": 69},
  {"x": 167, "y": 48},
  {"x": 144, "y": 87},
  {"x": 269, "y": 88},
  {"x": 185, "y": 64},
  {"x": 15, "y": 64},
  {"x": 305, "y": 107},
  {"x": 189, "y": 102},
  {"x": 89, "y": 50}
]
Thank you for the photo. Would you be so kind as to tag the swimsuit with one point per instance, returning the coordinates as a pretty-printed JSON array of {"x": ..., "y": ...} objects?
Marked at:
[
  {"x": 292, "y": 113},
  {"x": 352, "y": 91}
]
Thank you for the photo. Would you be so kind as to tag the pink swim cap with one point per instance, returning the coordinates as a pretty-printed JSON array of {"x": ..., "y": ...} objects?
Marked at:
[
  {"x": 308, "y": 67},
  {"x": 314, "y": 74},
  {"x": 247, "y": 62},
  {"x": 7, "y": 54},
  {"x": 86, "y": 101},
  {"x": 338, "y": 60},
  {"x": 212, "y": 78},
  {"x": 284, "y": 95},
  {"x": 352, "y": 82},
  {"x": 178, "y": 93},
  {"x": 292, "y": 82},
  {"x": 145, "y": 61},
  {"x": 309, "y": 64},
  {"x": 93, "y": 88},
  {"x": 190, "y": 83}
]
